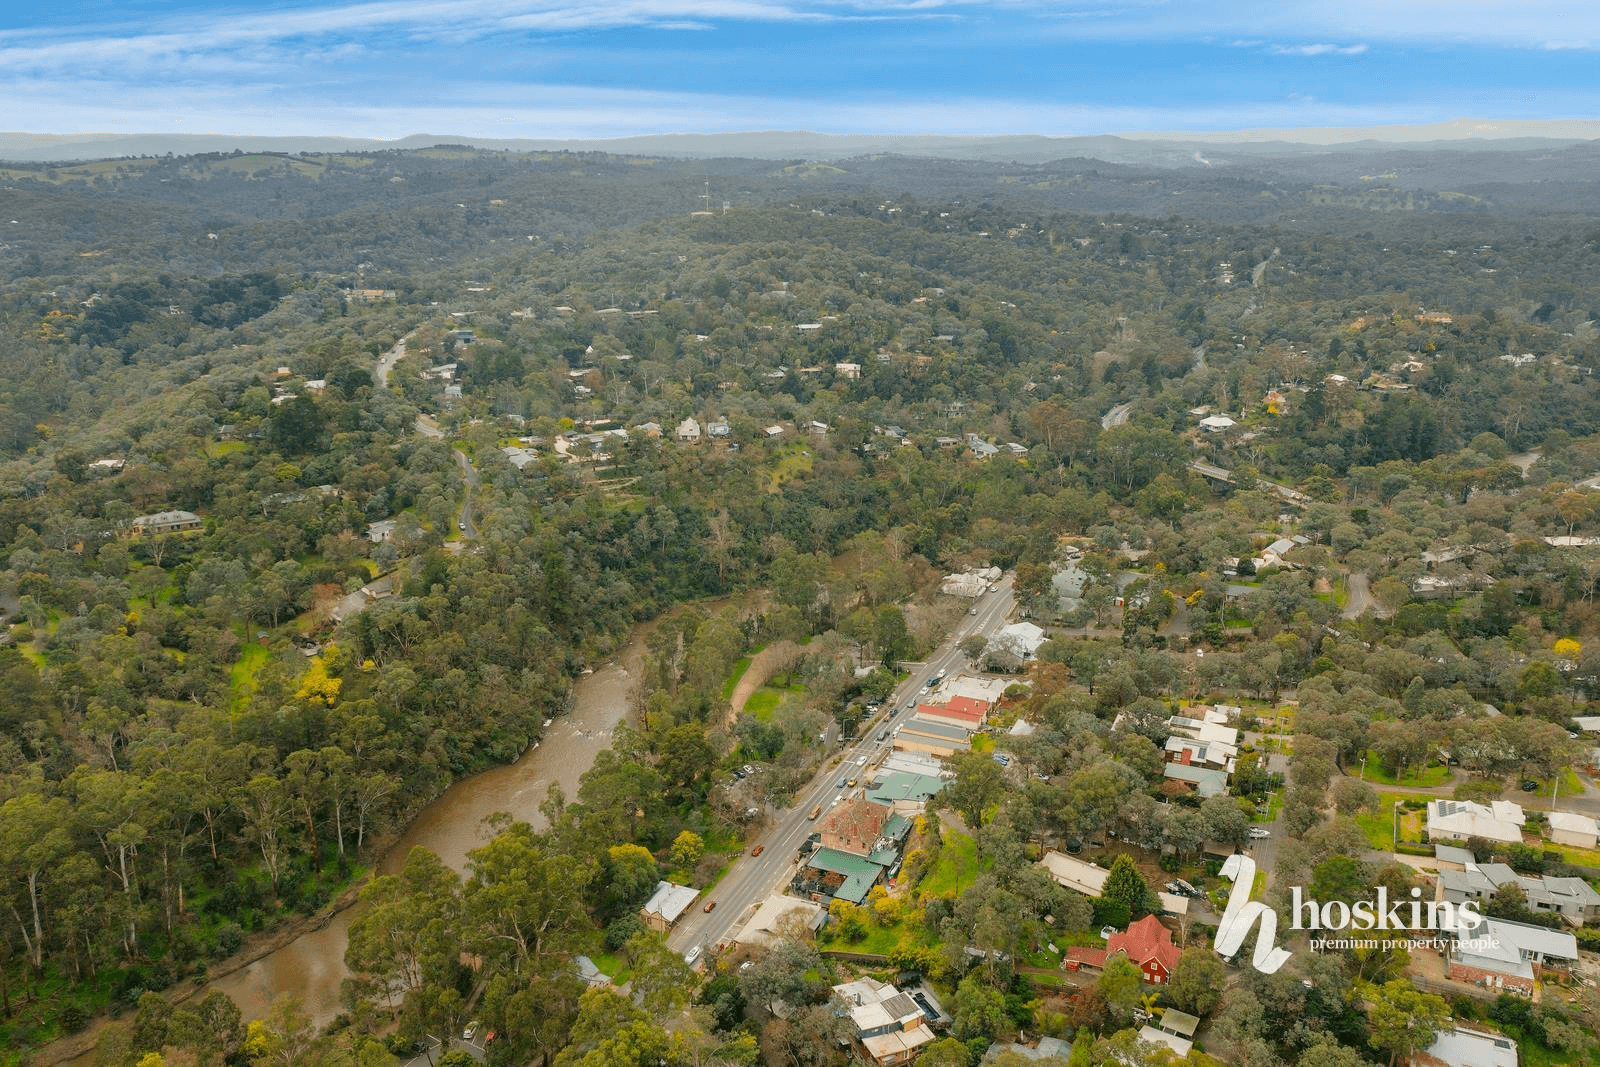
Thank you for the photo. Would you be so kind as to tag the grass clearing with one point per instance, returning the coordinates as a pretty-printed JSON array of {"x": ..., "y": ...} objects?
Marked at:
[
  {"x": 1379, "y": 828},
  {"x": 958, "y": 866},
  {"x": 242, "y": 675},
  {"x": 1432, "y": 776}
]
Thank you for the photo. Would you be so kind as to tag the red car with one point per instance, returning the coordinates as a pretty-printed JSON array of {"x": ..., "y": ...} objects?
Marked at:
[
  {"x": 710, "y": 904},
  {"x": 758, "y": 850}
]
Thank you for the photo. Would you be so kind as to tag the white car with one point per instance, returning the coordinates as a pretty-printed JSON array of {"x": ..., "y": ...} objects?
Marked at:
[{"x": 1258, "y": 832}]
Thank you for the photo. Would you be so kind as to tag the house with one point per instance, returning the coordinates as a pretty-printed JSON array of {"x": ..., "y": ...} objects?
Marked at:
[
  {"x": 592, "y": 976},
  {"x": 1462, "y": 819},
  {"x": 519, "y": 456},
  {"x": 1083, "y": 877},
  {"x": 1501, "y": 954},
  {"x": 1078, "y": 875},
  {"x": 848, "y": 371},
  {"x": 1048, "y": 1048},
  {"x": 854, "y": 826},
  {"x": 163, "y": 522},
  {"x": 667, "y": 905},
  {"x": 1461, "y": 1046},
  {"x": 1022, "y": 638},
  {"x": 959, "y": 711},
  {"x": 773, "y": 431},
  {"x": 380, "y": 531},
  {"x": 1217, "y": 423},
  {"x": 1175, "y": 1029},
  {"x": 831, "y": 874},
  {"x": 971, "y": 586},
  {"x": 934, "y": 738},
  {"x": 1207, "y": 781},
  {"x": 890, "y": 1028},
  {"x": 904, "y": 792},
  {"x": 817, "y": 429},
  {"x": 1084, "y": 956},
  {"x": 777, "y": 916},
  {"x": 1202, "y": 742},
  {"x": 1569, "y": 829},
  {"x": 1571, "y": 898},
  {"x": 688, "y": 430},
  {"x": 1148, "y": 944},
  {"x": 107, "y": 465},
  {"x": 989, "y": 690},
  {"x": 1589, "y": 724},
  {"x": 718, "y": 428}
]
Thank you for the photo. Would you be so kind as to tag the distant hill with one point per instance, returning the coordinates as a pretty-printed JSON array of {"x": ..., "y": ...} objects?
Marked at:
[{"x": 1146, "y": 149}]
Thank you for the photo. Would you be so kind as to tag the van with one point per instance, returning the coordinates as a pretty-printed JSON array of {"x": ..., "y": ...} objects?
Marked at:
[{"x": 815, "y": 812}]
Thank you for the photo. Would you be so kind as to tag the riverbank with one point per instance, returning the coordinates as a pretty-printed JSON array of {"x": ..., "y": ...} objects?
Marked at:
[{"x": 305, "y": 956}]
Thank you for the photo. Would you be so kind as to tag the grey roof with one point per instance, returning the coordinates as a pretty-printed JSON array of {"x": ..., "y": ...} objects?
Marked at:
[
  {"x": 1460, "y": 1047},
  {"x": 1207, "y": 781},
  {"x": 919, "y": 725},
  {"x": 670, "y": 901},
  {"x": 1453, "y": 854}
]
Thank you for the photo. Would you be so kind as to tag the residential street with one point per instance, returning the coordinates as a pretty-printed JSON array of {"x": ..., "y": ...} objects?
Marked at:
[{"x": 752, "y": 879}]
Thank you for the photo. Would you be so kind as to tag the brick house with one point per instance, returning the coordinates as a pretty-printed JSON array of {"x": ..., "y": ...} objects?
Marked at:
[{"x": 854, "y": 827}]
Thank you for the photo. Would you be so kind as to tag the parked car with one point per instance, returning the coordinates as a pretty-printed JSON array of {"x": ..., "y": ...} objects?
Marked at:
[
  {"x": 471, "y": 1031},
  {"x": 709, "y": 905},
  {"x": 1258, "y": 832},
  {"x": 758, "y": 850}
]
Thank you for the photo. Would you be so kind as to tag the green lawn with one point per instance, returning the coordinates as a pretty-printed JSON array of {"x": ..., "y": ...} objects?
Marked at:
[
  {"x": 1379, "y": 828},
  {"x": 242, "y": 676},
  {"x": 764, "y": 700},
  {"x": 1434, "y": 774},
  {"x": 1570, "y": 786},
  {"x": 958, "y": 866}
]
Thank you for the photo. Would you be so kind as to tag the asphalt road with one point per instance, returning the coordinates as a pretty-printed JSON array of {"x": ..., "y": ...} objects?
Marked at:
[{"x": 753, "y": 878}]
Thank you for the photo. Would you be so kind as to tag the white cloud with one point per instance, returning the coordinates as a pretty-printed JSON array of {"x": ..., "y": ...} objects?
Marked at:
[{"x": 1318, "y": 49}]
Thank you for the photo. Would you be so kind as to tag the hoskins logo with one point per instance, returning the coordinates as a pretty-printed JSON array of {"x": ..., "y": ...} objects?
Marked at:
[{"x": 1402, "y": 916}]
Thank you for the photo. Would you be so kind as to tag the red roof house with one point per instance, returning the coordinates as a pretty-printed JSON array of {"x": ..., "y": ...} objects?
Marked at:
[
  {"x": 1149, "y": 944},
  {"x": 1080, "y": 956},
  {"x": 968, "y": 719}
]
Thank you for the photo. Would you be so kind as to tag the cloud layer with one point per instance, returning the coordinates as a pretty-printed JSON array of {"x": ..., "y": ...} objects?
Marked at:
[{"x": 616, "y": 67}]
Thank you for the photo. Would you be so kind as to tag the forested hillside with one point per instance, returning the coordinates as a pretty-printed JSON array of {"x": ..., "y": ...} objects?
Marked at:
[{"x": 910, "y": 369}]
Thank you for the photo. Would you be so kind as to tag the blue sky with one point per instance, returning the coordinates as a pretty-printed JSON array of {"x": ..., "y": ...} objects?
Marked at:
[{"x": 606, "y": 68}]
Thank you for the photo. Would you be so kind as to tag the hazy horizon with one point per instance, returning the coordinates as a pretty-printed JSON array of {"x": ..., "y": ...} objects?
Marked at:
[{"x": 588, "y": 69}]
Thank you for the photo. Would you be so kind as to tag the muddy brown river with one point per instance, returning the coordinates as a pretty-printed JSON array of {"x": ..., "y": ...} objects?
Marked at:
[{"x": 312, "y": 966}]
